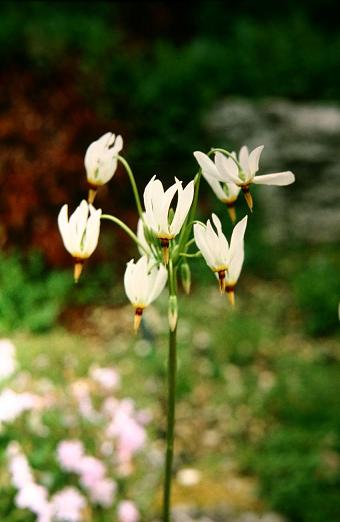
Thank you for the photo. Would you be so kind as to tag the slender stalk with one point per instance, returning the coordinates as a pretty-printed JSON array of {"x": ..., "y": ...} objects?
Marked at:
[
  {"x": 123, "y": 226},
  {"x": 227, "y": 153},
  {"x": 171, "y": 401},
  {"x": 133, "y": 184},
  {"x": 172, "y": 364}
]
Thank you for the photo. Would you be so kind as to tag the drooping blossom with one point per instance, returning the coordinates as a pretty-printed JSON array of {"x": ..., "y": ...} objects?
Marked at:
[
  {"x": 70, "y": 454},
  {"x": 8, "y": 362},
  {"x": 68, "y": 504},
  {"x": 101, "y": 161},
  {"x": 143, "y": 284},
  {"x": 127, "y": 511},
  {"x": 234, "y": 270},
  {"x": 157, "y": 207},
  {"x": 80, "y": 233},
  {"x": 227, "y": 192},
  {"x": 243, "y": 173},
  {"x": 215, "y": 248}
]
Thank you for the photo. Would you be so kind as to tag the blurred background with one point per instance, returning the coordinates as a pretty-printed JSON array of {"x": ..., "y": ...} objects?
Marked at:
[{"x": 261, "y": 384}]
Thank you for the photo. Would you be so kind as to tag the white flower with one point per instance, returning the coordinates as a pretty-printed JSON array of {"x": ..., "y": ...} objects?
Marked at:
[
  {"x": 215, "y": 248},
  {"x": 227, "y": 170},
  {"x": 157, "y": 206},
  {"x": 101, "y": 159},
  {"x": 227, "y": 192},
  {"x": 143, "y": 284},
  {"x": 80, "y": 233}
]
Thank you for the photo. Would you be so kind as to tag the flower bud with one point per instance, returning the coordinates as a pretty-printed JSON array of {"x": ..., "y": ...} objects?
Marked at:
[
  {"x": 172, "y": 312},
  {"x": 186, "y": 277}
]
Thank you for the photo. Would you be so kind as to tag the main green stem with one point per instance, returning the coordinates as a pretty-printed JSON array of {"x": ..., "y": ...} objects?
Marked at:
[{"x": 172, "y": 366}]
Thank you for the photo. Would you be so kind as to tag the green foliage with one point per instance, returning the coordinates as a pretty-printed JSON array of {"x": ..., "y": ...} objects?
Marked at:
[
  {"x": 297, "y": 462},
  {"x": 317, "y": 289},
  {"x": 30, "y": 297}
]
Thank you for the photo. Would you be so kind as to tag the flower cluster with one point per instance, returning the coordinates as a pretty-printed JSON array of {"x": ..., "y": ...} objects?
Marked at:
[
  {"x": 163, "y": 230},
  {"x": 92, "y": 481}
]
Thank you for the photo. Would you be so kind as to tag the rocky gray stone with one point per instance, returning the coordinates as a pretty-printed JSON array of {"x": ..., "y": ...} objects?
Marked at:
[{"x": 304, "y": 138}]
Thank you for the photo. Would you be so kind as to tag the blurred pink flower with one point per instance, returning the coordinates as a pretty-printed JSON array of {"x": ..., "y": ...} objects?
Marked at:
[
  {"x": 103, "y": 492},
  {"x": 91, "y": 471},
  {"x": 127, "y": 512},
  {"x": 8, "y": 362},
  {"x": 108, "y": 378},
  {"x": 130, "y": 439},
  {"x": 70, "y": 454},
  {"x": 68, "y": 504}
]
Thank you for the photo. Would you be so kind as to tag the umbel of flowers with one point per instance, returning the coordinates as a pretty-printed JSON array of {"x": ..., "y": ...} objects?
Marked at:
[{"x": 166, "y": 235}]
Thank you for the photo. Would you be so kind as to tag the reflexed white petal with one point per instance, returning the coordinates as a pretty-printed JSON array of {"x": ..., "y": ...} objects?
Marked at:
[
  {"x": 164, "y": 207},
  {"x": 244, "y": 159},
  {"x": 129, "y": 281},
  {"x": 148, "y": 204},
  {"x": 185, "y": 197},
  {"x": 254, "y": 158},
  {"x": 227, "y": 169},
  {"x": 213, "y": 246},
  {"x": 238, "y": 235},
  {"x": 279, "y": 179},
  {"x": 92, "y": 233},
  {"x": 199, "y": 235},
  {"x": 64, "y": 228},
  {"x": 118, "y": 145},
  {"x": 207, "y": 165},
  {"x": 158, "y": 283},
  {"x": 216, "y": 187},
  {"x": 235, "y": 265},
  {"x": 141, "y": 280},
  {"x": 222, "y": 245}
]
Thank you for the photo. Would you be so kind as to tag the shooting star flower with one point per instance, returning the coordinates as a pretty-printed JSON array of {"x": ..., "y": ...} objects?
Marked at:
[
  {"x": 227, "y": 192},
  {"x": 215, "y": 248},
  {"x": 243, "y": 171},
  {"x": 101, "y": 161},
  {"x": 143, "y": 285},
  {"x": 157, "y": 206},
  {"x": 80, "y": 233}
]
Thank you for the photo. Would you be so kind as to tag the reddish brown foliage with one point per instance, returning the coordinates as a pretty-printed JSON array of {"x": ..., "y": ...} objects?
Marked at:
[{"x": 45, "y": 128}]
